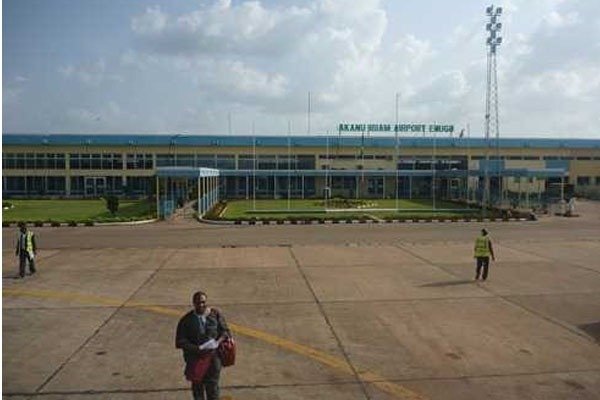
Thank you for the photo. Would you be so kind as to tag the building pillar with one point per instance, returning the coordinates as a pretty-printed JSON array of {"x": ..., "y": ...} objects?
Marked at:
[
  {"x": 204, "y": 194},
  {"x": 157, "y": 197},
  {"x": 198, "y": 190}
]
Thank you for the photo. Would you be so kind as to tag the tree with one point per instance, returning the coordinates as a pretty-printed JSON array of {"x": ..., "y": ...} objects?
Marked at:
[{"x": 112, "y": 204}]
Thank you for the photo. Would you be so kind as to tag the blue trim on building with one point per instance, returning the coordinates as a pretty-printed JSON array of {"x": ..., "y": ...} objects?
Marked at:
[
  {"x": 193, "y": 173},
  {"x": 564, "y": 164},
  {"x": 186, "y": 172},
  {"x": 282, "y": 141}
]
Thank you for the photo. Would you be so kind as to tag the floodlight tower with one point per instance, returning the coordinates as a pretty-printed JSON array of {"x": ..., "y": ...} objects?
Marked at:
[{"x": 492, "y": 126}]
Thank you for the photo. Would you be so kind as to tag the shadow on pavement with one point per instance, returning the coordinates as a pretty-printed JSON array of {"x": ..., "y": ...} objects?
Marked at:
[
  {"x": 448, "y": 283},
  {"x": 592, "y": 329}
]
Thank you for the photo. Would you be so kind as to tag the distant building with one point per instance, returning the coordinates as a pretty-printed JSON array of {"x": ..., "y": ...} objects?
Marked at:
[{"x": 341, "y": 165}]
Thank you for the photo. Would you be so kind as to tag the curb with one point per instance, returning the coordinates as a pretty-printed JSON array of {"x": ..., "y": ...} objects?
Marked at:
[
  {"x": 358, "y": 222},
  {"x": 141, "y": 222},
  {"x": 76, "y": 224}
]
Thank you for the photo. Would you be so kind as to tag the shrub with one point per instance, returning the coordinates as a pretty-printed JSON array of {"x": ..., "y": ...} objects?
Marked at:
[
  {"x": 5, "y": 224},
  {"x": 88, "y": 223},
  {"x": 54, "y": 223},
  {"x": 112, "y": 204},
  {"x": 38, "y": 223},
  {"x": 72, "y": 223}
]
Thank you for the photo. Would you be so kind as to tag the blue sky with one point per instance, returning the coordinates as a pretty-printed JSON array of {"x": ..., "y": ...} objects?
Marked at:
[{"x": 120, "y": 66}]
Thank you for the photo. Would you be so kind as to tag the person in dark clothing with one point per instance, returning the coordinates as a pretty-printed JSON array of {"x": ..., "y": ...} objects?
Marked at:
[
  {"x": 482, "y": 252},
  {"x": 194, "y": 329},
  {"x": 26, "y": 249}
]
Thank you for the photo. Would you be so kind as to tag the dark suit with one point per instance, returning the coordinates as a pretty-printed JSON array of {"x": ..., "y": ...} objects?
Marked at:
[{"x": 191, "y": 333}]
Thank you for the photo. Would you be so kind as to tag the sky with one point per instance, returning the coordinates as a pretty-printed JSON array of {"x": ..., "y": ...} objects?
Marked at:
[{"x": 236, "y": 67}]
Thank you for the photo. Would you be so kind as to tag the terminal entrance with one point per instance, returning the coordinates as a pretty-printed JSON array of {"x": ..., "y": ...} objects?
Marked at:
[{"x": 95, "y": 186}]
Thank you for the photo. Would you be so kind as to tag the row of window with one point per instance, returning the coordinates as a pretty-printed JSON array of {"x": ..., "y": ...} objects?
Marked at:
[
  {"x": 282, "y": 162},
  {"x": 96, "y": 161},
  {"x": 80, "y": 185},
  {"x": 537, "y": 158},
  {"x": 355, "y": 157},
  {"x": 33, "y": 161},
  {"x": 140, "y": 161},
  {"x": 114, "y": 161},
  {"x": 587, "y": 180},
  {"x": 220, "y": 161},
  {"x": 97, "y": 186}
]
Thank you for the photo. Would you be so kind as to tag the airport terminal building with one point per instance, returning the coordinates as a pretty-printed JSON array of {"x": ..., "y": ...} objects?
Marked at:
[{"x": 344, "y": 165}]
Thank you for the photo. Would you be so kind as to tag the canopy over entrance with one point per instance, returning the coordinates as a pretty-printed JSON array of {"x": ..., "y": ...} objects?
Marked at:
[{"x": 175, "y": 186}]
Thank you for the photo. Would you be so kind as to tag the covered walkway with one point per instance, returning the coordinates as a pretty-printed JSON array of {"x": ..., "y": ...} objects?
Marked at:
[{"x": 177, "y": 185}]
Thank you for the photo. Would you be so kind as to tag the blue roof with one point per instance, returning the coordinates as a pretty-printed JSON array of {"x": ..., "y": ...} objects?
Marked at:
[{"x": 282, "y": 141}]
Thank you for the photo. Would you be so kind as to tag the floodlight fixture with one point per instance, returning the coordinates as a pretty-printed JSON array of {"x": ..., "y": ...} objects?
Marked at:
[
  {"x": 489, "y": 10},
  {"x": 499, "y": 11}
]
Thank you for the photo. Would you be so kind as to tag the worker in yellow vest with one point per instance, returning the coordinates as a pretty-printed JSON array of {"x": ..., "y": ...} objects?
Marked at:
[
  {"x": 26, "y": 249},
  {"x": 483, "y": 251}
]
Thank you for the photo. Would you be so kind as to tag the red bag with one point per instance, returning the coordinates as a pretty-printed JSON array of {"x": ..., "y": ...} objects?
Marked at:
[
  {"x": 227, "y": 352},
  {"x": 195, "y": 370}
]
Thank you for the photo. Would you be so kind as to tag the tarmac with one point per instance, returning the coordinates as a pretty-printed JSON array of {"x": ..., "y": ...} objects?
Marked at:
[{"x": 318, "y": 311}]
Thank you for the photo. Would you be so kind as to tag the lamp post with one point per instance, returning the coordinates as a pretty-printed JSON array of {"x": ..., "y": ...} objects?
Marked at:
[{"x": 397, "y": 149}]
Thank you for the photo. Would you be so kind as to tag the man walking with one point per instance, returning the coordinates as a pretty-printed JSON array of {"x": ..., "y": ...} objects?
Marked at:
[
  {"x": 26, "y": 249},
  {"x": 483, "y": 251},
  {"x": 199, "y": 332}
]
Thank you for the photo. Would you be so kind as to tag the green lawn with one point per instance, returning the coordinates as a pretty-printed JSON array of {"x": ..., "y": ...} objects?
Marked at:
[
  {"x": 76, "y": 210},
  {"x": 278, "y": 209}
]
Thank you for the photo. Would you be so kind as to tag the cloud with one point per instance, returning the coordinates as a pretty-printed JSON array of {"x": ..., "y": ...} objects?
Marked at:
[
  {"x": 234, "y": 78},
  {"x": 220, "y": 28},
  {"x": 254, "y": 54},
  {"x": 556, "y": 20},
  {"x": 152, "y": 22},
  {"x": 257, "y": 59},
  {"x": 93, "y": 74},
  {"x": 13, "y": 90}
]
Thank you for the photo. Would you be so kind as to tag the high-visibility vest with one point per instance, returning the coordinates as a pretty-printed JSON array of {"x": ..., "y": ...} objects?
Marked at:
[
  {"x": 482, "y": 246},
  {"x": 28, "y": 242}
]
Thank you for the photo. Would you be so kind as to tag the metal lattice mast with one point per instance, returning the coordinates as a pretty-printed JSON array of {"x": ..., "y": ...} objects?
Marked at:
[{"x": 492, "y": 125}]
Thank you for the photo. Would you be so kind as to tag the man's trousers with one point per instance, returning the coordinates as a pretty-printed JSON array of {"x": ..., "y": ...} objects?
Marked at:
[
  {"x": 210, "y": 383},
  {"x": 482, "y": 262},
  {"x": 24, "y": 257}
]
